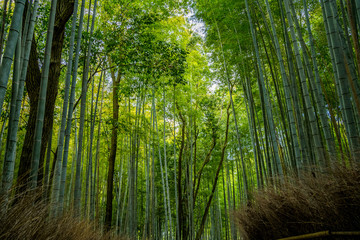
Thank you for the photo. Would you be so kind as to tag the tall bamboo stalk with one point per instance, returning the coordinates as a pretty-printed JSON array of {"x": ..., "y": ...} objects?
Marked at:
[
  {"x": 264, "y": 93},
  {"x": 35, "y": 158},
  {"x": 70, "y": 110},
  {"x": 77, "y": 193},
  {"x": 58, "y": 168},
  {"x": 10, "y": 46}
]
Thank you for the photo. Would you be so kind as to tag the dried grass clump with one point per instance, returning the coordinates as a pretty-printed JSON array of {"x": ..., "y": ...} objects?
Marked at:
[
  {"x": 29, "y": 219},
  {"x": 318, "y": 202}
]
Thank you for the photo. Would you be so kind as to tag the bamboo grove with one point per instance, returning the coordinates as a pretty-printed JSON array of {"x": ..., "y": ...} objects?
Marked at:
[{"x": 157, "y": 119}]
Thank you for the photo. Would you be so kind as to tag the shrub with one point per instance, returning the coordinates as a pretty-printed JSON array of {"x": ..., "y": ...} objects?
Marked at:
[{"x": 317, "y": 202}]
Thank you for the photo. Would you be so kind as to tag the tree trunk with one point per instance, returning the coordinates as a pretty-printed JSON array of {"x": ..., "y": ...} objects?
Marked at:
[
  {"x": 40, "y": 115},
  {"x": 341, "y": 78},
  {"x": 77, "y": 191},
  {"x": 234, "y": 115},
  {"x": 113, "y": 148},
  {"x": 264, "y": 93},
  {"x": 9, "y": 163},
  {"x": 57, "y": 184},
  {"x": 70, "y": 111},
  {"x": 2, "y": 27},
  {"x": 286, "y": 86},
  {"x": 180, "y": 214},
  {"x": 223, "y": 150},
  {"x": 315, "y": 134},
  {"x": 9, "y": 52},
  {"x": 63, "y": 13}
]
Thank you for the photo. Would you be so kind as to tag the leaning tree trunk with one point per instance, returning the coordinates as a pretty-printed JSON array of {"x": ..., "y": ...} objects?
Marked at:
[
  {"x": 246, "y": 189},
  {"x": 63, "y": 13},
  {"x": 208, "y": 204}
]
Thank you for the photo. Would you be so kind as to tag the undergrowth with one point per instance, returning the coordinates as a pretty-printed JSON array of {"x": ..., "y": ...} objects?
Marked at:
[
  {"x": 317, "y": 202},
  {"x": 28, "y": 219}
]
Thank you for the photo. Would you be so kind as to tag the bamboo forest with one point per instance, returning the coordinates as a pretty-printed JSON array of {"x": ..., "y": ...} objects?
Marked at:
[{"x": 179, "y": 119}]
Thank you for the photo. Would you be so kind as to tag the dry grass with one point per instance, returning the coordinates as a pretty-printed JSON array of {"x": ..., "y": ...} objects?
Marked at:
[
  {"x": 26, "y": 221},
  {"x": 318, "y": 202}
]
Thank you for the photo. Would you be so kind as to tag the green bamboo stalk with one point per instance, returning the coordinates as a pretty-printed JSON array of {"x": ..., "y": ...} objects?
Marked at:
[
  {"x": 146, "y": 233},
  {"x": 70, "y": 110},
  {"x": 13, "y": 128},
  {"x": 286, "y": 86},
  {"x": 315, "y": 134},
  {"x": 234, "y": 115},
  {"x": 97, "y": 154},
  {"x": 266, "y": 97},
  {"x": 92, "y": 184},
  {"x": 47, "y": 165},
  {"x": 304, "y": 148},
  {"x": 357, "y": 3},
  {"x": 35, "y": 158},
  {"x": 161, "y": 169},
  {"x": 9, "y": 164},
  {"x": 319, "y": 93},
  {"x": 77, "y": 191},
  {"x": 2, "y": 27},
  {"x": 166, "y": 171},
  {"x": 175, "y": 171},
  {"x": 341, "y": 77},
  {"x": 56, "y": 183},
  {"x": 11, "y": 43}
]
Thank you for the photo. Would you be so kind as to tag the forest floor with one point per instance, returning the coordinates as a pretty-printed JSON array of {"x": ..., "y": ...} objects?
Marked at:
[
  {"x": 318, "y": 201},
  {"x": 29, "y": 219}
]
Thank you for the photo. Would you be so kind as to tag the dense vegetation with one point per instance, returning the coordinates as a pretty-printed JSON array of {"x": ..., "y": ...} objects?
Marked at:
[{"x": 157, "y": 119}]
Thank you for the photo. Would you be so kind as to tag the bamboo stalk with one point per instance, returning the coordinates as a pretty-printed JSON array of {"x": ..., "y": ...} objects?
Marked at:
[{"x": 322, "y": 234}]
